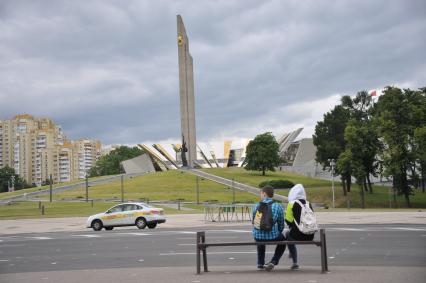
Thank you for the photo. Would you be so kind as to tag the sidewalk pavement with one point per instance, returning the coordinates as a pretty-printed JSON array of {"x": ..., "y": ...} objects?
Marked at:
[
  {"x": 197, "y": 220},
  {"x": 225, "y": 274}
]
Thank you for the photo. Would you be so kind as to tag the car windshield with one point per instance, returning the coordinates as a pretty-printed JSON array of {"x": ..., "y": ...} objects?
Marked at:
[{"x": 117, "y": 208}]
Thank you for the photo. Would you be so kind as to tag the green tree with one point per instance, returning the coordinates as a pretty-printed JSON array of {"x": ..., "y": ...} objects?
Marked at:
[
  {"x": 420, "y": 142},
  {"x": 360, "y": 153},
  {"x": 397, "y": 118},
  {"x": 417, "y": 106},
  {"x": 6, "y": 174},
  {"x": 262, "y": 153},
  {"x": 361, "y": 139},
  {"x": 110, "y": 164},
  {"x": 330, "y": 142}
]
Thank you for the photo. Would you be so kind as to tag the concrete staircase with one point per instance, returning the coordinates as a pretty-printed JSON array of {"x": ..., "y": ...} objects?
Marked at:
[{"x": 231, "y": 184}]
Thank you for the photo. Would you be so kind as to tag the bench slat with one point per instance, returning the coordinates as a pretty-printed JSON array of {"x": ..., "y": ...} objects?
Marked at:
[{"x": 317, "y": 243}]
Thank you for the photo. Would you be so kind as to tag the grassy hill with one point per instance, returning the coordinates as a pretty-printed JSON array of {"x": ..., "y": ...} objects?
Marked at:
[
  {"x": 172, "y": 185},
  {"x": 320, "y": 190},
  {"x": 181, "y": 186}
]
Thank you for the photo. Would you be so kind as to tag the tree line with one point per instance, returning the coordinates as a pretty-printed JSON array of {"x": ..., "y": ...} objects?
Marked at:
[
  {"x": 9, "y": 178},
  {"x": 386, "y": 137},
  {"x": 110, "y": 164}
]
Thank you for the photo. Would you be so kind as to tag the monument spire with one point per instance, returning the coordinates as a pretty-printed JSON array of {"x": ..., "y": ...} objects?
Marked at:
[{"x": 186, "y": 91}]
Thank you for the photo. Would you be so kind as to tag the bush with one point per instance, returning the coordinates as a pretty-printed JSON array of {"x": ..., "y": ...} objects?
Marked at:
[{"x": 277, "y": 184}]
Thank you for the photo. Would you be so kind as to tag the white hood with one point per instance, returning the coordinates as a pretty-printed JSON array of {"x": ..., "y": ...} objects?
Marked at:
[{"x": 297, "y": 192}]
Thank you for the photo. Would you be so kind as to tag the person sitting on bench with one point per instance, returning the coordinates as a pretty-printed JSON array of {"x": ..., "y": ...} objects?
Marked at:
[
  {"x": 268, "y": 225},
  {"x": 301, "y": 220}
]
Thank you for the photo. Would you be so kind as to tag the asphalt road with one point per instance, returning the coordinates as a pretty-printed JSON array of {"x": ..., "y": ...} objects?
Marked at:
[{"x": 348, "y": 245}]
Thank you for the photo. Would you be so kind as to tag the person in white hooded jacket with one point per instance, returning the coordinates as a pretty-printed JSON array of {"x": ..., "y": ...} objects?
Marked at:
[{"x": 293, "y": 212}]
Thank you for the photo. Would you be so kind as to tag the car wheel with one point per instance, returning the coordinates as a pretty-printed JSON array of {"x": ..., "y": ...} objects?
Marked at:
[
  {"x": 152, "y": 225},
  {"x": 97, "y": 225},
  {"x": 141, "y": 223},
  {"x": 109, "y": 228}
]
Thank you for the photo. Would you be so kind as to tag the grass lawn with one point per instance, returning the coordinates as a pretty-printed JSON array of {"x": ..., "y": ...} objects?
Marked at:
[
  {"x": 320, "y": 190},
  {"x": 171, "y": 185},
  {"x": 255, "y": 177},
  {"x": 20, "y": 210},
  {"x": 175, "y": 185}
]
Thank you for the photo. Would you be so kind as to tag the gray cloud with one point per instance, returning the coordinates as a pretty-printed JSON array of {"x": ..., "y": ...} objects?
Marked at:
[{"x": 108, "y": 69}]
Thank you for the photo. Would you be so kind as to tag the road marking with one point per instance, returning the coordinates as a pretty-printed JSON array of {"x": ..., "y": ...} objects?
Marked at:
[
  {"x": 407, "y": 229},
  {"x": 374, "y": 229},
  {"x": 8, "y": 246},
  {"x": 53, "y": 263},
  {"x": 141, "y": 260},
  {"x": 347, "y": 229},
  {"x": 4, "y": 260},
  {"x": 186, "y": 232},
  {"x": 88, "y": 236},
  {"x": 239, "y": 231},
  {"x": 135, "y": 234},
  {"x": 186, "y": 244},
  {"x": 216, "y": 253},
  {"x": 40, "y": 238}
]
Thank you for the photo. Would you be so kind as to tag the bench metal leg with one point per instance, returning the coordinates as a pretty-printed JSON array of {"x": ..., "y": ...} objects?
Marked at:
[
  {"x": 198, "y": 251},
  {"x": 324, "y": 263},
  {"x": 203, "y": 240}
]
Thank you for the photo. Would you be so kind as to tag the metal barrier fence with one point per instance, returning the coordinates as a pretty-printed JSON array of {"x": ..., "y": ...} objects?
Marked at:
[{"x": 228, "y": 212}]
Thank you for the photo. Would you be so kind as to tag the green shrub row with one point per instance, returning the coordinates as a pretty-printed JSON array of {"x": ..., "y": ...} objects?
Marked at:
[{"x": 277, "y": 184}]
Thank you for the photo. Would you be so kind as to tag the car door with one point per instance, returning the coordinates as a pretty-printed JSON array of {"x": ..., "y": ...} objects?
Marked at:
[
  {"x": 113, "y": 216},
  {"x": 129, "y": 214}
]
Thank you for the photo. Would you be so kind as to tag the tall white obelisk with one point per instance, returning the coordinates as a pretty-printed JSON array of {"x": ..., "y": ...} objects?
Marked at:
[{"x": 187, "y": 105}]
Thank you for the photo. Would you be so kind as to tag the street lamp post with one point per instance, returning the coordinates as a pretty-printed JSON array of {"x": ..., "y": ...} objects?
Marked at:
[
  {"x": 122, "y": 188},
  {"x": 332, "y": 164}
]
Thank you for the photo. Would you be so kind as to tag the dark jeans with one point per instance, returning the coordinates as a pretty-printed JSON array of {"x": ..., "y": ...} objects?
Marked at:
[
  {"x": 279, "y": 250},
  {"x": 291, "y": 248}
]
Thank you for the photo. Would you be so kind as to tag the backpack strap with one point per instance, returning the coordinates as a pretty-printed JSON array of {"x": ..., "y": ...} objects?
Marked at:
[
  {"x": 302, "y": 206},
  {"x": 300, "y": 203}
]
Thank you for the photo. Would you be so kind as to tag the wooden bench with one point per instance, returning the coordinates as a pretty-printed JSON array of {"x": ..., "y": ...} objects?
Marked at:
[{"x": 202, "y": 246}]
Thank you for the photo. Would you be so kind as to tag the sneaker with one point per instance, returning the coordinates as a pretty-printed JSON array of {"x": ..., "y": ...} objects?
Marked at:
[
  {"x": 294, "y": 267},
  {"x": 269, "y": 266},
  {"x": 260, "y": 267}
]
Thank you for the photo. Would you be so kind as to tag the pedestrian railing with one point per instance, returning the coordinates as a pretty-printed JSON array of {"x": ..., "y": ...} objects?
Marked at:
[{"x": 227, "y": 212}]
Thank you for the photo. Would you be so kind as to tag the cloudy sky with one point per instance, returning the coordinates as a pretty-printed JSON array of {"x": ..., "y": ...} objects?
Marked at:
[{"x": 108, "y": 69}]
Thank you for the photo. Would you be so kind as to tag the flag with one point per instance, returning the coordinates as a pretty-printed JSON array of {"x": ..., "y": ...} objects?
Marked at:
[{"x": 373, "y": 93}]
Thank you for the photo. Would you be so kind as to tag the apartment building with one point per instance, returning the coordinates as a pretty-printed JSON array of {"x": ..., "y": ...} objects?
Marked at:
[
  {"x": 37, "y": 149},
  {"x": 86, "y": 153}
]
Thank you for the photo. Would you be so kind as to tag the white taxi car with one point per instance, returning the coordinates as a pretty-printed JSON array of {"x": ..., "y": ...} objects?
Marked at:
[{"x": 127, "y": 214}]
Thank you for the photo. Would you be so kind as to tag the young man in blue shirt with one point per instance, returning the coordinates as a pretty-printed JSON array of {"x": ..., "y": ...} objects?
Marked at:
[{"x": 274, "y": 234}]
